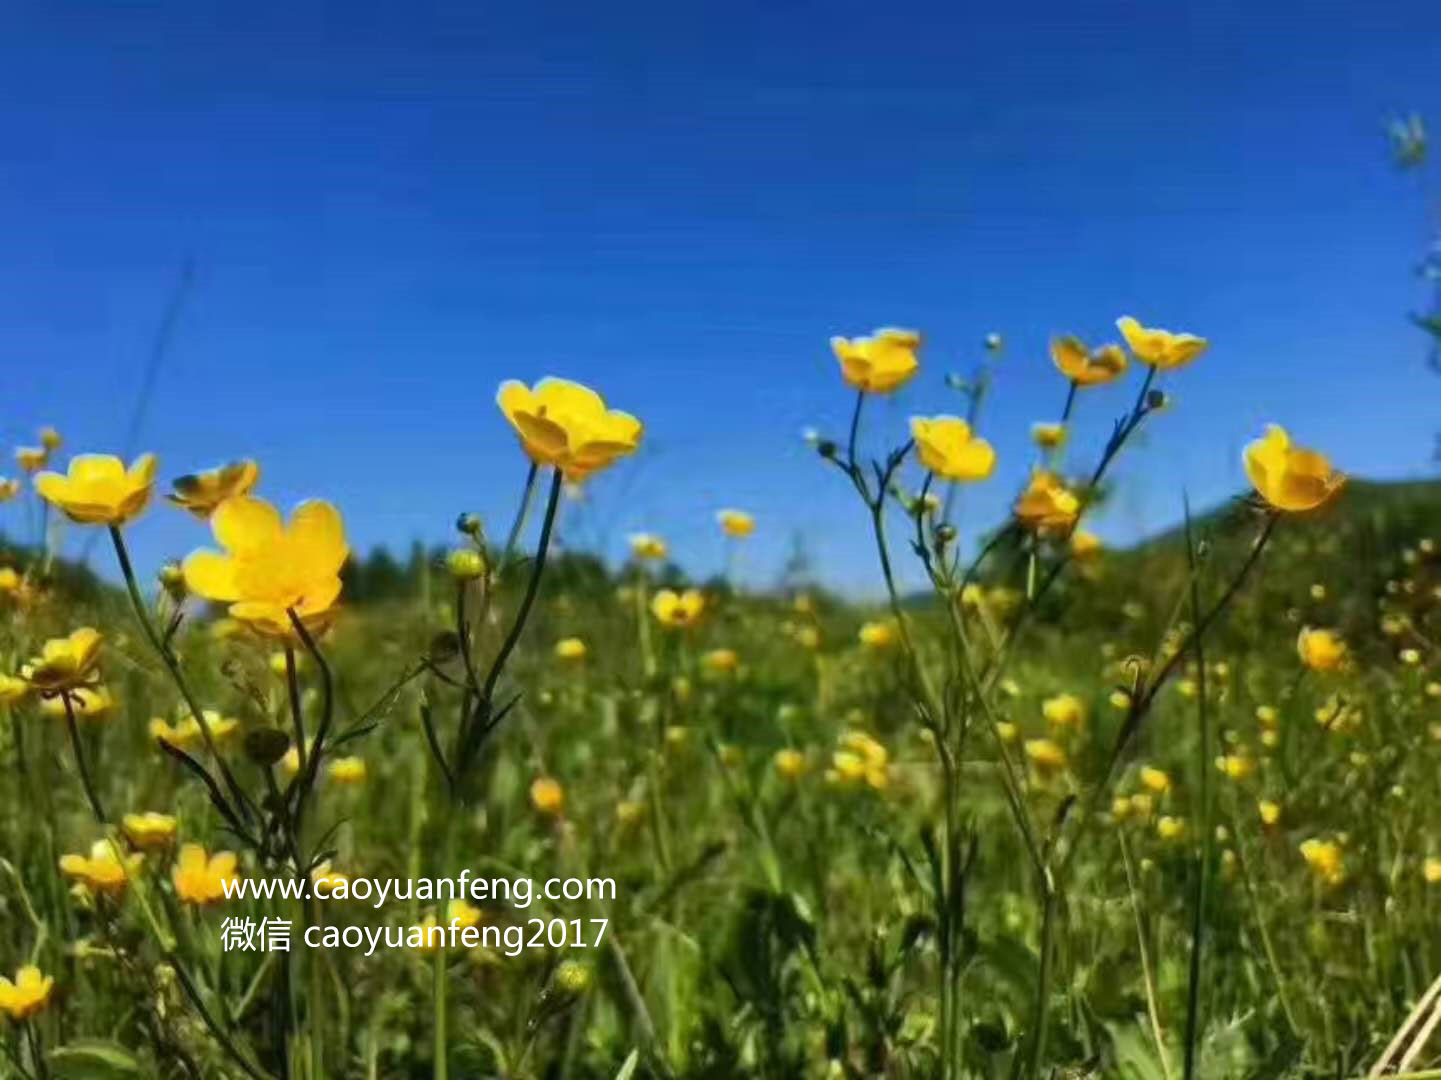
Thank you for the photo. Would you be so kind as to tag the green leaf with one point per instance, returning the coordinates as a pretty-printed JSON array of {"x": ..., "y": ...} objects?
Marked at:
[
  {"x": 627, "y": 1069},
  {"x": 93, "y": 1059}
]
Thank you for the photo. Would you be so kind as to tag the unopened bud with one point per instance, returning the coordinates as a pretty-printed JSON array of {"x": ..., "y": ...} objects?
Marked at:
[
  {"x": 468, "y": 525},
  {"x": 266, "y": 745},
  {"x": 465, "y": 564}
]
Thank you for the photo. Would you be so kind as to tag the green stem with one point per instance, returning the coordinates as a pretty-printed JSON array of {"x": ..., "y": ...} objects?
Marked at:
[{"x": 84, "y": 769}]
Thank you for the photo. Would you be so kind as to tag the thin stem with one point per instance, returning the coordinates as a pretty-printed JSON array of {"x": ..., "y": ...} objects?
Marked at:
[
  {"x": 296, "y": 714},
  {"x": 855, "y": 429},
  {"x": 84, "y": 769},
  {"x": 522, "y": 514},
  {"x": 1208, "y": 840}
]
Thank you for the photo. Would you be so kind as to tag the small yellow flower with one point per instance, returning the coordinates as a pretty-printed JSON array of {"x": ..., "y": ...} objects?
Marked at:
[
  {"x": 1087, "y": 367},
  {"x": 947, "y": 447},
  {"x": 103, "y": 870},
  {"x": 9, "y": 488},
  {"x": 86, "y": 702},
  {"x": 1290, "y": 478},
  {"x": 13, "y": 689},
  {"x": 736, "y": 523},
  {"x": 1267, "y": 715},
  {"x": 1006, "y": 731},
  {"x": 878, "y": 635},
  {"x": 1270, "y": 738},
  {"x": 880, "y": 363},
  {"x": 1119, "y": 699},
  {"x": 1046, "y": 755},
  {"x": 98, "y": 489},
  {"x": 269, "y": 567},
  {"x": 202, "y": 492},
  {"x": 1064, "y": 711},
  {"x": 720, "y": 661},
  {"x": 1120, "y": 808},
  {"x": 64, "y": 663},
  {"x": 1161, "y": 349},
  {"x": 32, "y": 458},
  {"x": 185, "y": 733},
  {"x": 676, "y": 736},
  {"x": 1235, "y": 766},
  {"x": 1085, "y": 545},
  {"x": 1170, "y": 828},
  {"x": 571, "y": 648},
  {"x": 1048, "y": 436},
  {"x": 1270, "y": 812},
  {"x": 1047, "y": 503},
  {"x": 1410, "y": 657},
  {"x": 678, "y": 610},
  {"x": 462, "y": 914},
  {"x": 648, "y": 546},
  {"x": 200, "y": 878},
  {"x": 27, "y": 995},
  {"x": 1431, "y": 870},
  {"x": 790, "y": 763},
  {"x": 149, "y": 831},
  {"x": 567, "y": 425},
  {"x": 628, "y": 812},
  {"x": 1155, "y": 779},
  {"x": 547, "y": 796},
  {"x": 1325, "y": 859},
  {"x": 348, "y": 770},
  {"x": 1321, "y": 650},
  {"x": 808, "y": 637},
  {"x": 1143, "y": 805}
]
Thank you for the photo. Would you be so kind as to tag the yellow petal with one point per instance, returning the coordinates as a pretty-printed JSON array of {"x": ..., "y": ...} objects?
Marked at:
[
  {"x": 211, "y": 575},
  {"x": 316, "y": 528},
  {"x": 246, "y": 524}
]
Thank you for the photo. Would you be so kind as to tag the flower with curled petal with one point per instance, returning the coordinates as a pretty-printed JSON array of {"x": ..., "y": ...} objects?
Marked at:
[
  {"x": 269, "y": 567},
  {"x": 98, "y": 489},
  {"x": 567, "y": 425},
  {"x": 27, "y": 995},
  {"x": 1047, "y": 503},
  {"x": 104, "y": 870},
  {"x": 200, "y": 878},
  {"x": 735, "y": 523},
  {"x": 947, "y": 446},
  {"x": 678, "y": 609},
  {"x": 1290, "y": 478},
  {"x": 880, "y": 363},
  {"x": 1161, "y": 349},
  {"x": 201, "y": 493},
  {"x": 64, "y": 663},
  {"x": 1085, "y": 366}
]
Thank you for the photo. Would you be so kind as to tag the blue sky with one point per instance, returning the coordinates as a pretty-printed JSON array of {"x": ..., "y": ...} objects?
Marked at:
[{"x": 394, "y": 207}]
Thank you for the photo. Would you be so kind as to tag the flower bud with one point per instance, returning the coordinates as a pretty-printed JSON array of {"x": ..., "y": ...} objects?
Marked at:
[
  {"x": 266, "y": 745},
  {"x": 465, "y": 564},
  {"x": 468, "y": 525}
]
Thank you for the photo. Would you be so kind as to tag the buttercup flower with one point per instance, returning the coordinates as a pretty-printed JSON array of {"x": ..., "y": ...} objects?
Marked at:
[
  {"x": 202, "y": 492},
  {"x": 8, "y": 489},
  {"x": 648, "y": 546},
  {"x": 1155, "y": 779},
  {"x": 1325, "y": 859},
  {"x": 547, "y": 796},
  {"x": 880, "y": 363},
  {"x": 1085, "y": 545},
  {"x": 946, "y": 446},
  {"x": 1321, "y": 650},
  {"x": 185, "y": 733},
  {"x": 567, "y": 425},
  {"x": 347, "y": 770},
  {"x": 1087, "y": 367},
  {"x": 720, "y": 661},
  {"x": 27, "y": 995},
  {"x": 1162, "y": 349},
  {"x": 99, "y": 489},
  {"x": 675, "y": 609},
  {"x": 1047, "y": 503},
  {"x": 200, "y": 878},
  {"x": 1290, "y": 478},
  {"x": 1064, "y": 711},
  {"x": 1431, "y": 870},
  {"x": 1170, "y": 828},
  {"x": 149, "y": 831},
  {"x": 736, "y": 523},
  {"x": 878, "y": 635},
  {"x": 790, "y": 763},
  {"x": 571, "y": 648},
  {"x": 64, "y": 663},
  {"x": 1269, "y": 811},
  {"x": 1048, "y": 436},
  {"x": 31, "y": 458},
  {"x": 103, "y": 870},
  {"x": 86, "y": 702},
  {"x": 270, "y": 567},
  {"x": 1046, "y": 755}
]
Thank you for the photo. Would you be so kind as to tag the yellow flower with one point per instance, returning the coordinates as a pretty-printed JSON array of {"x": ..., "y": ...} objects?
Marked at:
[
  {"x": 567, "y": 425},
  {"x": 333, "y": 878},
  {"x": 50, "y": 439},
  {"x": 808, "y": 637},
  {"x": 1321, "y": 650},
  {"x": 86, "y": 702},
  {"x": 270, "y": 567},
  {"x": 675, "y": 609},
  {"x": 1087, "y": 367},
  {"x": 720, "y": 661},
  {"x": 1162, "y": 349},
  {"x": 64, "y": 663},
  {"x": 1047, "y": 503},
  {"x": 1143, "y": 805},
  {"x": 1085, "y": 545},
  {"x": 185, "y": 733},
  {"x": 880, "y": 363},
  {"x": 946, "y": 446},
  {"x": 1046, "y": 755},
  {"x": 878, "y": 635},
  {"x": 1325, "y": 859},
  {"x": 200, "y": 878},
  {"x": 1120, "y": 808},
  {"x": 1270, "y": 812},
  {"x": 1267, "y": 715},
  {"x": 1235, "y": 766},
  {"x": 1064, "y": 711},
  {"x": 290, "y": 762},
  {"x": 202, "y": 492},
  {"x": 628, "y": 812},
  {"x": 571, "y": 648},
  {"x": 12, "y": 689},
  {"x": 27, "y": 995},
  {"x": 98, "y": 489},
  {"x": 648, "y": 546},
  {"x": 103, "y": 870},
  {"x": 790, "y": 763},
  {"x": 1170, "y": 828},
  {"x": 1048, "y": 436},
  {"x": 31, "y": 458},
  {"x": 1007, "y": 731},
  {"x": 547, "y": 796},
  {"x": 149, "y": 831},
  {"x": 348, "y": 770},
  {"x": 1290, "y": 478},
  {"x": 1155, "y": 779},
  {"x": 736, "y": 523},
  {"x": 1431, "y": 870},
  {"x": 8, "y": 489}
]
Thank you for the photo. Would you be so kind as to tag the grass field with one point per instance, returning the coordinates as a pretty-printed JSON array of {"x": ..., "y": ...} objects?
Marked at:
[{"x": 1152, "y": 813}]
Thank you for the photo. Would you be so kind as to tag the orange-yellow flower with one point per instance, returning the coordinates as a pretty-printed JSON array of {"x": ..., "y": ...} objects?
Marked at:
[
  {"x": 1321, "y": 650},
  {"x": 103, "y": 870},
  {"x": 947, "y": 446},
  {"x": 1325, "y": 859},
  {"x": 571, "y": 648},
  {"x": 200, "y": 878},
  {"x": 64, "y": 663},
  {"x": 1085, "y": 366},
  {"x": 1288, "y": 477},
  {"x": 31, "y": 458},
  {"x": 880, "y": 363},
  {"x": 347, "y": 770},
  {"x": 1047, "y": 503},
  {"x": 720, "y": 661},
  {"x": 648, "y": 546},
  {"x": 9, "y": 488},
  {"x": 1085, "y": 545},
  {"x": 736, "y": 523},
  {"x": 567, "y": 425},
  {"x": 202, "y": 492},
  {"x": 678, "y": 610},
  {"x": 1162, "y": 349},
  {"x": 98, "y": 489},
  {"x": 149, "y": 831},
  {"x": 86, "y": 702},
  {"x": 547, "y": 796},
  {"x": 270, "y": 567},
  {"x": 27, "y": 995}
]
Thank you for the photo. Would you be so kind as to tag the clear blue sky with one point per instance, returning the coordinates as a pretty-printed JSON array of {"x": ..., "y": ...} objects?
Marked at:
[{"x": 393, "y": 207}]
